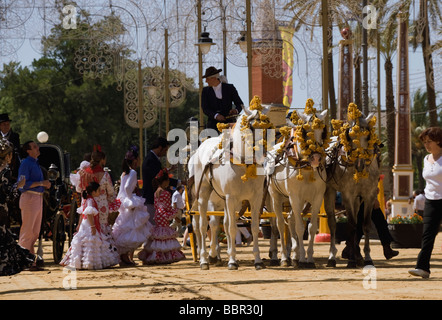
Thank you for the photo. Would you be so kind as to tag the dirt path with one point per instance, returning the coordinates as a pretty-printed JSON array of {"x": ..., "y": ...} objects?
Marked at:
[{"x": 184, "y": 280}]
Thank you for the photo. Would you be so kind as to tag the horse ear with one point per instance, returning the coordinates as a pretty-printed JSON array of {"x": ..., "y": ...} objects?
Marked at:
[
  {"x": 322, "y": 115},
  {"x": 247, "y": 111},
  {"x": 253, "y": 114},
  {"x": 265, "y": 109},
  {"x": 370, "y": 116},
  {"x": 303, "y": 116},
  {"x": 290, "y": 123}
]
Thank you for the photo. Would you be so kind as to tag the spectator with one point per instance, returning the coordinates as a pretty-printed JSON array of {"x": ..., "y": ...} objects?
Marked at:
[
  {"x": 31, "y": 199},
  {"x": 432, "y": 173},
  {"x": 419, "y": 203}
]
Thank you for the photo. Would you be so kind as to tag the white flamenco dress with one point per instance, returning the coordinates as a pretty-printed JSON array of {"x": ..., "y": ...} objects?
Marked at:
[
  {"x": 88, "y": 251},
  {"x": 132, "y": 226}
]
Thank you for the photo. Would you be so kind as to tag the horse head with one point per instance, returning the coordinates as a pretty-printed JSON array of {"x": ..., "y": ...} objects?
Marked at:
[
  {"x": 358, "y": 139},
  {"x": 248, "y": 136},
  {"x": 310, "y": 134}
]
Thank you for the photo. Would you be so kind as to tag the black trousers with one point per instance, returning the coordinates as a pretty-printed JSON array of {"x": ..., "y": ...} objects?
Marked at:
[
  {"x": 377, "y": 216},
  {"x": 432, "y": 220}
]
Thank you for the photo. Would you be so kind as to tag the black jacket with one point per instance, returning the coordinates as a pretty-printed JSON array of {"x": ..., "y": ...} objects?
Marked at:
[
  {"x": 211, "y": 106},
  {"x": 151, "y": 167}
]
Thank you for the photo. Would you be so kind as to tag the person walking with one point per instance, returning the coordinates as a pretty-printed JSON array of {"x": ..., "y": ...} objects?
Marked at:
[
  {"x": 432, "y": 216},
  {"x": 31, "y": 198}
]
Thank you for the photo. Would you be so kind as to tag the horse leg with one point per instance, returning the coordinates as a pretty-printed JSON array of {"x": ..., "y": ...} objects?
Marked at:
[
  {"x": 202, "y": 204},
  {"x": 230, "y": 207},
  {"x": 197, "y": 233},
  {"x": 329, "y": 200},
  {"x": 277, "y": 203},
  {"x": 299, "y": 227},
  {"x": 312, "y": 228},
  {"x": 294, "y": 239},
  {"x": 255, "y": 233},
  {"x": 366, "y": 228},
  {"x": 214, "y": 222},
  {"x": 273, "y": 250}
]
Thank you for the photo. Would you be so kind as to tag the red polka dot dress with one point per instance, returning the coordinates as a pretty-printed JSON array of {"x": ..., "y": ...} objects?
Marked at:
[{"x": 163, "y": 248}]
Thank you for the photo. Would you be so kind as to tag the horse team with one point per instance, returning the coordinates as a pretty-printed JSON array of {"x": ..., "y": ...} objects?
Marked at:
[{"x": 307, "y": 166}]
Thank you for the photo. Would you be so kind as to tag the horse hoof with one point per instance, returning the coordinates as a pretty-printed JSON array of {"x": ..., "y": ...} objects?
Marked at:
[
  {"x": 259, "y": 266},
  {"x": 331, "y": 264},
  {"x": 307, "y": 265},
  {"x": 204, "y": 266},
  {"x": 274, "y": 263},
  {"x": 284, "y": 263},
  {"x": 351, "y": 264},
  {"x": 213, "y": 260},
  {"x": 233, "y": 266},
  {"x": 368, "y": 263},
  {"x": 295, "y": 264}
]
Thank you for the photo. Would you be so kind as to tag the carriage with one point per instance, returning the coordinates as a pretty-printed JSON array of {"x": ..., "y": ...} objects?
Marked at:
[{"x": 60, "y": 201}]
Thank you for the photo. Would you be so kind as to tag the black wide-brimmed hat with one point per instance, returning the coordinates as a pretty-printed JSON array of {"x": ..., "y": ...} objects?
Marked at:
[
  {"x": 4, "y": 117},
  {"x": 211, "y": 71}
]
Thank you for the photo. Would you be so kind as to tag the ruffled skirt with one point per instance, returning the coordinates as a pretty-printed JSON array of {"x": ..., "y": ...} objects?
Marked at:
[
  {"x": 89, "y": 251},
  {"x": 162, "y": 248},
  {"x": 13, "y": 257},
  {"x": 132, "y": 226}
]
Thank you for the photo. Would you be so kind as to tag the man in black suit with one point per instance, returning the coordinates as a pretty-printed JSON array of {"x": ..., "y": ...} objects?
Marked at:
[
  {"x": 217, "y": 99},
  {"x": 14, "y": 138},
  {"x": 151, "y": 167}
]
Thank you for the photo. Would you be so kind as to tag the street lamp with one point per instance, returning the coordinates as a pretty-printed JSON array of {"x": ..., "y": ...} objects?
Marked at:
[
  {"x": 205, "y": 42},
  {"x": 242, "y": 42}
]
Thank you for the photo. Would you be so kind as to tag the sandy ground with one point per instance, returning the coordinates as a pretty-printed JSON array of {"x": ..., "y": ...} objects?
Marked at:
[{"x": 185, "y": 281}]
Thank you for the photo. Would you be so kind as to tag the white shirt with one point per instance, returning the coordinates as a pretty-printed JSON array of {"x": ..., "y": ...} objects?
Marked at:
[
  {"x": 178, "y": 199},
  {"x": 218, "y": 91},
  {"x": 432, "y": 174},
  {"x": 419, "y": 202}
]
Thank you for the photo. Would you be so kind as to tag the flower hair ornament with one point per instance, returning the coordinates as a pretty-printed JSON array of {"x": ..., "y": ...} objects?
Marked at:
[
  {"x": 162, "y": 173},
  {"x": 97, "y": 147},
  {"x": 132, "y": 153}
]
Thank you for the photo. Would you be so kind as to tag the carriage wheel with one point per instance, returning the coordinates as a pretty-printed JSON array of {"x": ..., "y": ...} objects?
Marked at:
[
  {"x": 73, "y": 220},
  {"x": 58, "y": 237}
]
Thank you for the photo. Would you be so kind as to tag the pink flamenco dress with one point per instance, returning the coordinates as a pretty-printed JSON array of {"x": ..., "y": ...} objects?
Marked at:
[
  {"x": 87, "y": 250},
  {"x": 163, "y": 247},
  {"x": 132, "y": 226}
]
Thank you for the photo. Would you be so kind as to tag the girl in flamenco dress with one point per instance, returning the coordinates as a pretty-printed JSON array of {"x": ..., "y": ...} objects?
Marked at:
[
  {"x": 132, "y": 226},
  {"x": 13, "y": 257},
  {"x": 89, "y": 249},
  {"x": 163, "y": 247},
  {"x": 106, "y": 199}
]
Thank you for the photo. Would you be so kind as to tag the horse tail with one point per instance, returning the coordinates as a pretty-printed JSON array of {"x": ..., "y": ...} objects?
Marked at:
[{"x": 207, "y": 166}]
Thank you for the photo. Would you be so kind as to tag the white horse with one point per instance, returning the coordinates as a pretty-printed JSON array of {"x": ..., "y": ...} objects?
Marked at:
[
  {"x": 300, "y": 181},
  {"x": 356, "y": 177},
  {"x": 215, "y": 172}
]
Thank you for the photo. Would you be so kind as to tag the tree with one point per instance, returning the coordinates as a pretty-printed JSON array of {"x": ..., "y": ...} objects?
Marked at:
[{"x": 429, "y": 15}]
